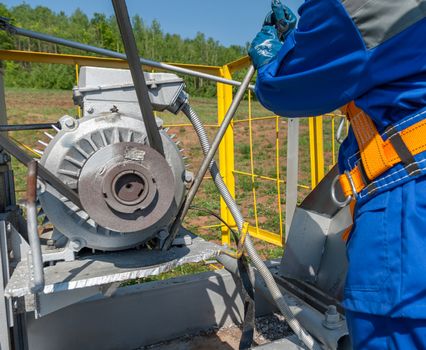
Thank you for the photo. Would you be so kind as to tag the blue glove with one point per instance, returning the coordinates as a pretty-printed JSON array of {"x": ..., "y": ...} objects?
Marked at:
[
  {"x": 277, "y": 25},
  {"x": 265, "y": 46},
  {"x": 282, "y": 18}
]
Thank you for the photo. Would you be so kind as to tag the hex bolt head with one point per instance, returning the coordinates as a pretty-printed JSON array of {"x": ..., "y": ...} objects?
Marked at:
[
  {"x": 189, "y": 176},
  {"x": 70, "y": 123}
]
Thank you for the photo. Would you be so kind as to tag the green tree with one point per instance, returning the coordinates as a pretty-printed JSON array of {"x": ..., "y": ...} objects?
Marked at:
[
  {"x": 6, "y": 40},
  {"x": 102, "y": 31}
]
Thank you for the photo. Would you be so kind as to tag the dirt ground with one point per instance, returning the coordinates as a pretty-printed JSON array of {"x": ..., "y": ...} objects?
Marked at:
[{"x": 268, "y": 328}]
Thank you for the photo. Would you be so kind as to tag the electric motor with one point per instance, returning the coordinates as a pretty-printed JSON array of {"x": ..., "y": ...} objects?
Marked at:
[{"x": 130, "y": 193}]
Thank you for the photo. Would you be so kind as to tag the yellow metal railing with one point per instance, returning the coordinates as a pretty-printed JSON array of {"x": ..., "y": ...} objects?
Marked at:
[{"x": 226, "y": 155}]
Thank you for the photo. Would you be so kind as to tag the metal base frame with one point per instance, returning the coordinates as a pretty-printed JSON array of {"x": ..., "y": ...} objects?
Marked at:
[{"x": 142, "y": 315}]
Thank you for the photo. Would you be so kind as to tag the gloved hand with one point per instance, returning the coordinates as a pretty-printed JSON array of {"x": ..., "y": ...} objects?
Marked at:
[
  {"x": 282, "y": 18},
  {"x": 277, "y": 25},
  {"x": 265, "y": 46}
]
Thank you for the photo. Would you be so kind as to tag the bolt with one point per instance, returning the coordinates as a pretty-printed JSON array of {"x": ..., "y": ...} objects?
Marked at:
[
  {"x": 332, "y": 318},
  {"x": 162, "y": 234},
  {"x": 41, "y": 186},
  {"x": 75, "y": 245},
  {"x": 159, "y": 122},
  {"x": 70, "y": 123},
  {"x": 90, "y": 110},
  {"x": 189, "y": 176}
]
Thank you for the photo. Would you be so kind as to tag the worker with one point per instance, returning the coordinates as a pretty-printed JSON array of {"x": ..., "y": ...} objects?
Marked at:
[{"x": 371, "y": 52}]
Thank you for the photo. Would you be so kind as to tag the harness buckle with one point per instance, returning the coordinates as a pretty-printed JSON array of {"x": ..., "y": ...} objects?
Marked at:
[{"x": 348, "y": 199}]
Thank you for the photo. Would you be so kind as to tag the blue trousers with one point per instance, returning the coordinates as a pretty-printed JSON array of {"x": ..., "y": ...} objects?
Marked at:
[{"x": 371, "y": 332}]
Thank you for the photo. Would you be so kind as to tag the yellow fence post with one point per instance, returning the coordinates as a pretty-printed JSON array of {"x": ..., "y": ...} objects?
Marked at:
[
  {"x": 226, "y": 151},
  {"x": 77, "y": 78},
  {"x": 316, "y": 146}
]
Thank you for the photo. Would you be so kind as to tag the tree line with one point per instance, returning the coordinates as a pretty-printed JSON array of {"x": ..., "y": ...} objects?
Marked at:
[{"x": 102, "y": 31}]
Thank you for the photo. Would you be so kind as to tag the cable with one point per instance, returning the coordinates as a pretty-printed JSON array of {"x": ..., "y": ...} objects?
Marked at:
[
  {"x": 217, "y": 216},
  {"x": 23, "y": 145}
]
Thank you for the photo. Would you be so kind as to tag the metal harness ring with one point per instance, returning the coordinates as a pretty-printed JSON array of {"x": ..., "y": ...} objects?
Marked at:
[{"x": 340, "y": 204}]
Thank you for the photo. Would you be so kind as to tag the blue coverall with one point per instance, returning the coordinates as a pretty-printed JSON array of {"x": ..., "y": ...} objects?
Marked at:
[{"x": 373, "y": 52}]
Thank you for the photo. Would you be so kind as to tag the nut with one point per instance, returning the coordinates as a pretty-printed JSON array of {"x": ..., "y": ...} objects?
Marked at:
[
  {"x": 76, "y": 245},
  {"x": 332, "y": 319}
]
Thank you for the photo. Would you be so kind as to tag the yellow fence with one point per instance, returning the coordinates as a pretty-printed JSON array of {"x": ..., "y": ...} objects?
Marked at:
[{"x": 316, "y": 127}]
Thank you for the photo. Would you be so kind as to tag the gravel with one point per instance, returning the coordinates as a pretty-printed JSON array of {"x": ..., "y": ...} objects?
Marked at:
[{"x": 270, "y": 328}]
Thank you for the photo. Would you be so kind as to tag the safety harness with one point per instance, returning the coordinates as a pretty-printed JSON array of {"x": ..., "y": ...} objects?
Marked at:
[{"x": 379, "y": 155}]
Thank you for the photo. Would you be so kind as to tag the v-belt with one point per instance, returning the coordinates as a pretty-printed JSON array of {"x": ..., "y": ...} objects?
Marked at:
[{"x": 377, "y": 155}]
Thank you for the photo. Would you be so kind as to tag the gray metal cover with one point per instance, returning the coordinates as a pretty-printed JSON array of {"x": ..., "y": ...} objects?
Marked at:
[
  {"x": 315, "y": 251},
  {"x": 100, "y": 89}
]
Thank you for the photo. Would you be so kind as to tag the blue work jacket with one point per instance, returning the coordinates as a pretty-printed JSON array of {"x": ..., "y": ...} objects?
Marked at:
[{"x": 373, "y": 52}]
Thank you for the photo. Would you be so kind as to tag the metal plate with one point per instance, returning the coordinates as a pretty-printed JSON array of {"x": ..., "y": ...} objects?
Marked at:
[{"x": 107, "y": 268}]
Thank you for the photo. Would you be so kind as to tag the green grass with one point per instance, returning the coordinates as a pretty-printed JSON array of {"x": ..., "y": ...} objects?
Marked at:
[
  {"x": 183, "y": 270},
  {"x": 244, "y": 150},
  {"x": 272, "y": 252}
]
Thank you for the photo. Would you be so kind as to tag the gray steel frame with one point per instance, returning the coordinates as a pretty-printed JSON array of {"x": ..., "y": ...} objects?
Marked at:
[
  {"x": 145, "y": 314},
  {"x": 138, "y": 315},
  {"x": 292, "y": 172},
  {"x": 139, "y": 82},
  {"x": 5, "y": 304},
  {"x": 21, "y": 127},
  {"x": 3, "y": 112},
  {"x": 6, "y": 316}
]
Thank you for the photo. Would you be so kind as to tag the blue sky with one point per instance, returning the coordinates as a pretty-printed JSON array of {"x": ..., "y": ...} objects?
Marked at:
[{"x": 228, "y": 21}]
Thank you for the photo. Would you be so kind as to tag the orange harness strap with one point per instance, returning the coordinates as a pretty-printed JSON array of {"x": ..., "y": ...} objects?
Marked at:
[
  {"x": 370, "y": 142},
  {"x": 346, "y": 234},
  {"x": 377, "y": 156}
]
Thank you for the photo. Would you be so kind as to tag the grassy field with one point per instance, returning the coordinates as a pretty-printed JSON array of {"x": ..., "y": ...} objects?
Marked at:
[{"x": 27, "y": 105}]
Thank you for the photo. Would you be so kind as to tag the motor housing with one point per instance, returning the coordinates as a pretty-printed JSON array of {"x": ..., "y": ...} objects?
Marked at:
[{"x": 129, "y": 192}]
